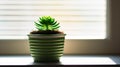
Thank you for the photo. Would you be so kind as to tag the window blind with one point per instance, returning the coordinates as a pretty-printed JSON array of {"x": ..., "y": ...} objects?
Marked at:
[{"x": 79, "y": 19}]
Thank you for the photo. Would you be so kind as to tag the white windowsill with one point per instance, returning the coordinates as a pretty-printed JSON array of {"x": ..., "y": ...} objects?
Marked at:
[{"x": 64, "y": 60}]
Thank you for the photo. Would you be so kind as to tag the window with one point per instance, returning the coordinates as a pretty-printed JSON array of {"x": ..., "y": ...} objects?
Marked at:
[
  {"x": 108, "y": 44},
  {"x": 79, "y": 19}
]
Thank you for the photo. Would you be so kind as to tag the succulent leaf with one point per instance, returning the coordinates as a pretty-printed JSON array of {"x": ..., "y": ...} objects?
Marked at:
[
  {"x": 56, "y": 24},
  {"x": 37, "y": 24}
]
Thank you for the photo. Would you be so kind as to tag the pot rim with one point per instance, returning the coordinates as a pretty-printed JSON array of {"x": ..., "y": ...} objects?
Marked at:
[{"x": 46, "y": 34}]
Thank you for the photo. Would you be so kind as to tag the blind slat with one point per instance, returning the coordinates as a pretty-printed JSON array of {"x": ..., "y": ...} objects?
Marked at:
[
  {"x": 79, "y": 19},
  {"x": 52, "y": 1}
]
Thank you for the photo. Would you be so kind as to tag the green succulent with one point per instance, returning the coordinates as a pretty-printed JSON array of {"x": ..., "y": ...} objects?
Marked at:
[{"x": 47, "y": 23}]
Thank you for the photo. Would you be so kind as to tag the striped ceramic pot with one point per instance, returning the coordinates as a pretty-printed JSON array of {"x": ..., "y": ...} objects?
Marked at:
[{"x": 46, "y": 47}]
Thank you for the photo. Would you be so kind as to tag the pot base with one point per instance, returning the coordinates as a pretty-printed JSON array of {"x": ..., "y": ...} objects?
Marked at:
[{"x": 45, "y": 60}]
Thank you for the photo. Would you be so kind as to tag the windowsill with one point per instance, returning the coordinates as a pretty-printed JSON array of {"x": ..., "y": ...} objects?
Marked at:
[{"x": 64, "y": 60}]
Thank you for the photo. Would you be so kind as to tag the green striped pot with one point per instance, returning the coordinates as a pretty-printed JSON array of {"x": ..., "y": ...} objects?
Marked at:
[{"x": 46, "y": 47}]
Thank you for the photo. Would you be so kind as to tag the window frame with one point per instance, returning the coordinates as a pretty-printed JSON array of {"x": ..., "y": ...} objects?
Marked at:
[{"x": 110, "y": 45}]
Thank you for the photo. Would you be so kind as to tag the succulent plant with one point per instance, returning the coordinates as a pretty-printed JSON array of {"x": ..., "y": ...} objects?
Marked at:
[{"x": 47, "y": 23}]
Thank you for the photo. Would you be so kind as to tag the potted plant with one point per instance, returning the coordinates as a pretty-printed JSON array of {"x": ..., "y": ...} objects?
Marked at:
[{"x": 47, "y": 42}]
